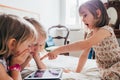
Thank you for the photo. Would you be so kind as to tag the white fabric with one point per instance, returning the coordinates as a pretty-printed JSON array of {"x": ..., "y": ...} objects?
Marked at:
[{"x": 90, "y": 71}]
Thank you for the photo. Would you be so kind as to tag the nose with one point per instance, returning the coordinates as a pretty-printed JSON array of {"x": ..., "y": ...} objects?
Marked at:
[
  {"x": 83, "y": 19},
  {"x": 30, "y": 48},
  {"x": 33, "y": 48}
]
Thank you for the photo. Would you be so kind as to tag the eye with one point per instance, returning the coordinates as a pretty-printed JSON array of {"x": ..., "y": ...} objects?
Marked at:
[
  {"x": 29, "y": 45},
  {"x": 84, "y": 15},
  {"x": 40, "y": 45},
  {"x": 35, "y": 44}
]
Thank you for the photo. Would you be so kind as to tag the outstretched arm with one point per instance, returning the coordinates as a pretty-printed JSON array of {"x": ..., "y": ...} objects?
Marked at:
[{"x": 81, "y": 45}]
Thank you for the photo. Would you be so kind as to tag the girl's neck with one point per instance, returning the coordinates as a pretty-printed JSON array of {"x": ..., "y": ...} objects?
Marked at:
[{"x": 95, "y": 30}]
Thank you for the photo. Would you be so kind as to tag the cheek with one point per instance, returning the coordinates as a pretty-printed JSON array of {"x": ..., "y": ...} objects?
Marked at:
[
  {"x": 21, "y": 48},
  {"x": 40, "y": 48}
]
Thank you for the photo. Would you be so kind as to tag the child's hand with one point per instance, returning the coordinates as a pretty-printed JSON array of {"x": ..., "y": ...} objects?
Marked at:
[
  {"x": 52, "y": 55},
  {"x": 21, "y": 58},
  {"x": 26, "y": 62},
  {"x": 67, "y": 70},
  {"x": 49, "y": 55},
  {"x": 44, "y": 57}
]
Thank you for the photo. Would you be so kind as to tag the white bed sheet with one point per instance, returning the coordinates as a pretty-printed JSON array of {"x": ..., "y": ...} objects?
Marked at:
[{"x": 89, "y": 72}]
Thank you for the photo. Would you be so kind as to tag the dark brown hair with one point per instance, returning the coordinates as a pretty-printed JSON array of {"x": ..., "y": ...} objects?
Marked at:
[{"x": 92, "y": 6}]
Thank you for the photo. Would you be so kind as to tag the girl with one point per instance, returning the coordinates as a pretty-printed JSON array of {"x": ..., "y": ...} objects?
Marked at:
[
  {"x": 15, "y": 37},
  {"x": 39, "y": 45},
  {"x": 102, "y": 39}
]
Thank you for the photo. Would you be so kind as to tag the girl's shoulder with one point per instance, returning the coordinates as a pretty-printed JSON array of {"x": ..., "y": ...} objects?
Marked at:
[
  {"x": 3, "y": 62},
  {"x": 107, "y": 27}
]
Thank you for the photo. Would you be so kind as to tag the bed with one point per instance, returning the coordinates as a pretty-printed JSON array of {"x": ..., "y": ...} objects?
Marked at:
[{"x": 90, "y": 71}]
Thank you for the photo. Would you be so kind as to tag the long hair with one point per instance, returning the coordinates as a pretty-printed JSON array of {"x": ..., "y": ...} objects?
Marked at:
[
  {"x": 41, "y": 31},
  {"x": 12, "y": 26},
  {"x": 92, "y": 6}
]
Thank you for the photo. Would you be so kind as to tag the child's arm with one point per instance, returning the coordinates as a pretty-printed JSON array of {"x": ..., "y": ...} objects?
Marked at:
[
  {"x": 26, "y": 62},
  {"x": 82, "y": 60},
  {"x": 16, "y": 75},
  {"x": 18, "y": 60},
  {"x": 4, "y": 75},
  {"x": 39, "y": 63},
  {"x": 35, "y": 49},
  {"x": 81, "y": 45}
]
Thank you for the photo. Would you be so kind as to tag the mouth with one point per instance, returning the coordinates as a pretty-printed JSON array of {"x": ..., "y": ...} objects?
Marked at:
[
  {"x": 31, "y": 53},
  {"x": 86, "y": 24}
]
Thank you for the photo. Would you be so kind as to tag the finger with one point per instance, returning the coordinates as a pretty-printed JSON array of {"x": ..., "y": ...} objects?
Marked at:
[
  {"x": 66, "y": 70},
  {"x": 25, "y": 53},
  {"x": 55, "y": 57},
  {"x": 18, "y": 53},
  {"x": 44, "y": 57},
  {"x": 51, "y": 57}
]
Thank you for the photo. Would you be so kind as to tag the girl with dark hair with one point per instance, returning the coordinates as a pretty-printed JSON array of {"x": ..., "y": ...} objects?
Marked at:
[{"x": 101, "y": 38}]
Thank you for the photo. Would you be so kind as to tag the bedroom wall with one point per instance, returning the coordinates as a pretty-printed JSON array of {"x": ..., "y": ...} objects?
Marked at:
[
  {"x": 49, "y": 10},
  {"x": 50, "y": 14}
]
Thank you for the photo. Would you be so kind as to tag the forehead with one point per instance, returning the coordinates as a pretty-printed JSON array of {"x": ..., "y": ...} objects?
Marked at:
[
  {"x": 41, "y": 39},
  {"x": 83, "y": 10},
  {"x": 30, "y": 41}
]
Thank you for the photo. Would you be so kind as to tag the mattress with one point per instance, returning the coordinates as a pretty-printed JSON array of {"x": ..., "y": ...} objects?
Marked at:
[{"x": 89, "y": 72}]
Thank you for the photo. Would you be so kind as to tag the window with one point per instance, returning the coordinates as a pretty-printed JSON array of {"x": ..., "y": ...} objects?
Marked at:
[
  {"x": 71, "y": 12},
  {"x": 72, "y": 18}
]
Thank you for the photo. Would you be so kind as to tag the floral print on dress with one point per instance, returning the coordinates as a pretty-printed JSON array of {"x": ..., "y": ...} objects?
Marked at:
[{"x": 107, "y": 54}]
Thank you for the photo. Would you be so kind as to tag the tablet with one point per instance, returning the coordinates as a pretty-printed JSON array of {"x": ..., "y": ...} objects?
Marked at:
[{"x": 46, "y": 74}]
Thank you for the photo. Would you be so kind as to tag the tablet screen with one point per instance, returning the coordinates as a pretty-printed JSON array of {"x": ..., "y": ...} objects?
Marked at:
[{"x": 53, "y": 74}]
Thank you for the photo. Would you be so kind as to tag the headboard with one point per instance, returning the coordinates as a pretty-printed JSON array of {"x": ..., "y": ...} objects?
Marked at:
[{"x": 19, "y": 12}]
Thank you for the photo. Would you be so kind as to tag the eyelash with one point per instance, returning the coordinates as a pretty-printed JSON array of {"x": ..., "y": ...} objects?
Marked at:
[
  {"x": 34, "y": 45},
  {"x": 40, "y": 45},
  {"x": 85, "y": 15}
]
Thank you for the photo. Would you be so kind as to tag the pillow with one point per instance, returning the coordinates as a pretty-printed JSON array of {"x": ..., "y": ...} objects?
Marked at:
[{"x": 49, "y": 42}]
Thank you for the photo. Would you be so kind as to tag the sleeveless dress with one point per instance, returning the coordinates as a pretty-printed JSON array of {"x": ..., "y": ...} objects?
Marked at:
[{"x": 107, "y": 54}]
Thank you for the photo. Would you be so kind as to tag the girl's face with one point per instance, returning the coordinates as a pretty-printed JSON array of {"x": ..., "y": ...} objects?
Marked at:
[
  {"x": 87, "y": 18},
  {"x": 24, "y": 47},
  {"x": 38, "y": 46},
  {"x": 41, "y": 43}
]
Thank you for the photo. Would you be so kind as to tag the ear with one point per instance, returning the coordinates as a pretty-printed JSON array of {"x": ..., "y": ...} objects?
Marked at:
[
  {"x": 98, "y": 13},
  {"x": 12, "y": 44}
]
